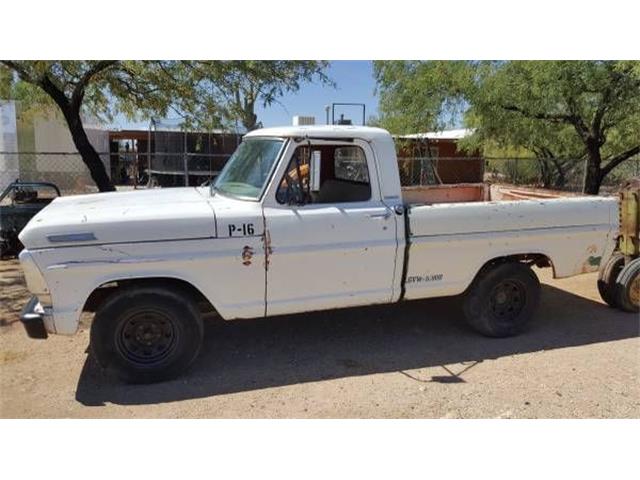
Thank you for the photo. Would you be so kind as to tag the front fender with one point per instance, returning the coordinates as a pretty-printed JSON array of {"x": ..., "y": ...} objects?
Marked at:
[{"x": 218, "y": 268}]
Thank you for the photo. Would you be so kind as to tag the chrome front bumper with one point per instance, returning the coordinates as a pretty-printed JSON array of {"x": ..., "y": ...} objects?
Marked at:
[{"x": 32, "y": 318}]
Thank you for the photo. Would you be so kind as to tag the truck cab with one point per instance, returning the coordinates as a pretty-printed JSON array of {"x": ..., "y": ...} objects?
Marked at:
[{"x": 334, "y": 217}]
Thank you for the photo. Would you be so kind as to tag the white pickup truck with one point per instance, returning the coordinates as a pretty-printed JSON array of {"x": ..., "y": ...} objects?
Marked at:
[{"x": 300, "y": 219}]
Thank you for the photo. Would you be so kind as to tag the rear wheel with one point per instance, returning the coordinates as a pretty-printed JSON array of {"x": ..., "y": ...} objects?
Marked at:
[
  {"x": 607, "y": 279},
  {"x": 502, "y": 299},
  {"x": 147, "y": 334},
  {"x": 627, "y": 287}
]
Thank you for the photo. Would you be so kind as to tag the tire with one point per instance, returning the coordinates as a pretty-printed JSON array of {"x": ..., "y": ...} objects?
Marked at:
[
  {"x": 627, "y": 287},
  {"x": 147, "y": 334},
  {"x": 607, "y": 279},
  {"x": 502, "y": 299}
]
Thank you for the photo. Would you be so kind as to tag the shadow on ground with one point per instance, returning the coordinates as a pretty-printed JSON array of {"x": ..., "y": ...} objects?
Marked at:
[{"x": 252, "y": 354}]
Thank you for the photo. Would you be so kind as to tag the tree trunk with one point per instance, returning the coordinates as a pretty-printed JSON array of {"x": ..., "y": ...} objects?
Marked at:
[
  {"x": 250, "y": 121},
  {"x": 561, "y": 178},
  {"x": 249, "y": 118},
  {"x": 247, "y": 108},
  {"x": 592, "y": 177},
  {"x": 70, "y": 108},
  {"x": 545, "y": 173},
  {"x": 89, "y": 155}
]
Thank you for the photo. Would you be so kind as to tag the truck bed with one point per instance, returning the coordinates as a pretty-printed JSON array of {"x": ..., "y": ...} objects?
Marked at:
[
  {"x": 455, "y": 229},
  {"x": 475, "y": 192}
]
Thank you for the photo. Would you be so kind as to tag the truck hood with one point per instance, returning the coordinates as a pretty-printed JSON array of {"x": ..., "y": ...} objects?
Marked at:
[{"x": 122, "y": 217}]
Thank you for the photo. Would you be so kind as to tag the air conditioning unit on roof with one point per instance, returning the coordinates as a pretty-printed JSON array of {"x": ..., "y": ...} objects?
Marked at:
[{"x": 300, "y": 120}]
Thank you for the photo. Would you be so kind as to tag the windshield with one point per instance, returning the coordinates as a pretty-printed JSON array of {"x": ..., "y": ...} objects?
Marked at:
[{"x": 246, "y": 172}]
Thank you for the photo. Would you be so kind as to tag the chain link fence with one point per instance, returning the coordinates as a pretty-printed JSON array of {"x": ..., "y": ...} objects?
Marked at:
[
  {"x": 131, "y": 170},
  {"x": 554, "y": 173},
  {"x": 65, "y": 169}
]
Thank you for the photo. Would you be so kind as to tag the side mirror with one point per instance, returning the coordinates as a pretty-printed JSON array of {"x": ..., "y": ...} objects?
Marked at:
[{"x": 315, "y": 171}]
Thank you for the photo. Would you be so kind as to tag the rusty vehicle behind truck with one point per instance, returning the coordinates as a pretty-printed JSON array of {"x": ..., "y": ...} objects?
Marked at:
[{"x": 619, "y": 277}]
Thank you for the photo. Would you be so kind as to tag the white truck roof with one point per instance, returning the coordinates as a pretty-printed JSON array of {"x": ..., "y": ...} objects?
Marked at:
[{"x": 334, "y": 131}]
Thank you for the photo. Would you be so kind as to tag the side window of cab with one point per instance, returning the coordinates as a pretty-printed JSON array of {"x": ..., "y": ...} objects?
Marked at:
[{"x": 319, "y": 174}]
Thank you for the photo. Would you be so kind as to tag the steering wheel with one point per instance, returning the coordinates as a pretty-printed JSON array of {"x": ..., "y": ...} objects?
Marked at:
[{"x": 294, "y": 193}]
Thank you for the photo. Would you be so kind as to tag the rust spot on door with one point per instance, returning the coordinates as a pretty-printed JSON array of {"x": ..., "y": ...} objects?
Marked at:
[{"x": 247, "y": 255}]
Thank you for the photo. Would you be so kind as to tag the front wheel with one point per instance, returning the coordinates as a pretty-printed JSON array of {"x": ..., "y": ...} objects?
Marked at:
[
  {"x": 147, "y": 334},
  {"x": 502, "y": 299}
]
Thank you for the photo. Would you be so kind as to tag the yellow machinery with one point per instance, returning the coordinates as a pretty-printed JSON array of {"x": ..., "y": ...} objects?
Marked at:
[{"x": 619, "y": 280}]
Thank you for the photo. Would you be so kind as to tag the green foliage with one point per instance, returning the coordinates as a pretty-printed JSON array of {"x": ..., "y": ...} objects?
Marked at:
[
  {"x": 553, "y": 102},
  {"x": 554, "y": 109},
  {"x": 236, "y": 87},
  {"x": 101, "y": 88},
  {"x": 32, "y": 100},
  {"x": 206, "y": 94},
  {"x": 419, "y": 96},
  {"x": 6, "y": 80}
]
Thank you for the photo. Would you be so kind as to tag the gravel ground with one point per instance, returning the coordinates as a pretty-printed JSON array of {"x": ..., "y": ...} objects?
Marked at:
[{"x": 415, "y": 360}]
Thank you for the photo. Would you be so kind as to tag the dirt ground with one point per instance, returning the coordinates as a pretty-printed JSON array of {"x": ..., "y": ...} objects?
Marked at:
[{"x": 415, "y": 360}]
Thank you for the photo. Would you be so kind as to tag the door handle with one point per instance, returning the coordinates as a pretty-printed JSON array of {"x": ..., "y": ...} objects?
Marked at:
[{"x": 382, "y": 216}]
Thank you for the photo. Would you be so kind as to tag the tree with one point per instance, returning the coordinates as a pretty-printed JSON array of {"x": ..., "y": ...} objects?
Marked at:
[
  {"x": 584, "y": 109},
  {"x": 203, "y": 93},
  {"x": 556, "y": 149},
  {"x": 100, "y": 87},
  {"x": 240, "y": 85},
  {"x": 598, "y": 102},
  {"x": 5, "y": 83},
  {"x": 419, "y": 96}
]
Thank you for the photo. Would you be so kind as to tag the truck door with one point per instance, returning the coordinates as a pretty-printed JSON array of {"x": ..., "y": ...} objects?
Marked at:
[{"x": 332, "y": 241}]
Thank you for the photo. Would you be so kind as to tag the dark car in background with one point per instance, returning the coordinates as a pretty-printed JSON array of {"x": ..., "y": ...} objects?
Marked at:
[{"x": 19, "y": 203}]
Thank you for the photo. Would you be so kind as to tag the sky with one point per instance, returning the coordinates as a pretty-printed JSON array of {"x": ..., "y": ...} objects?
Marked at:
[{"x": 354, "y": 84}]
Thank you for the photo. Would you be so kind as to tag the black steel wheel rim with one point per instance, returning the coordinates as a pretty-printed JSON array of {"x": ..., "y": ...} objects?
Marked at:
[
  {"x": 147, "y": 338},
  {"x": 507, "y": 300}
]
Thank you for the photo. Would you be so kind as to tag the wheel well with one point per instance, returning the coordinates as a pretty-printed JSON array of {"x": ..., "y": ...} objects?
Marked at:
[
  {"x": 101, "y": 293},
  {"x": 538, "y": 259}
]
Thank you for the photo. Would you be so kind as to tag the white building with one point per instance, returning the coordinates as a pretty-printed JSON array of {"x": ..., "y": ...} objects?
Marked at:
[
  {"x": 9, "y": 170},
  {"x": 45, "y": 150}
]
